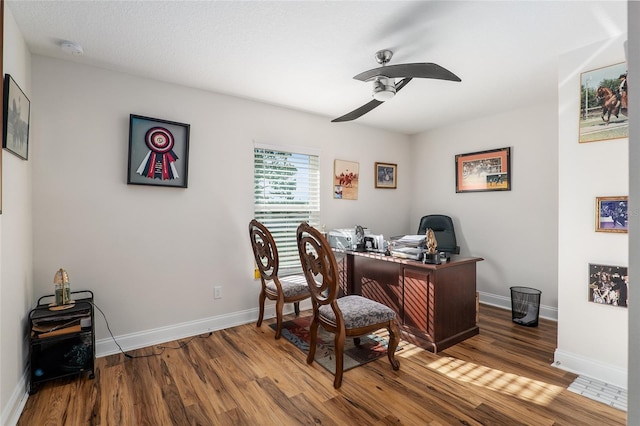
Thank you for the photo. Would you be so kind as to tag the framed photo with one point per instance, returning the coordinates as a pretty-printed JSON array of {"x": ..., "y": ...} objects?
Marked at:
[
  {"x": 345, "y": 179},
  {"x": 611, "y": 214},
  {"x": 484, "y": 171},
  {"x": 16, "y": 119},
  {"x": 386, "y": 175},
  {"x": 158, "y": 152},
  {"x": 603, "y": 104},
  {"x": 608, "y": 285}
]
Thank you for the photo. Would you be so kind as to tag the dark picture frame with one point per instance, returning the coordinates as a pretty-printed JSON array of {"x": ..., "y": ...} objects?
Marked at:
[
  {"x": 16, "y": 119},
  {"x": 608, "y": 285},
  {"x": 612, "y": 214},
  {"x": 158, "y": 152},
  {"x": 386, "y": 175},
  {"x": 481, "y": 171},
  {"x": 601, "y": 117}
]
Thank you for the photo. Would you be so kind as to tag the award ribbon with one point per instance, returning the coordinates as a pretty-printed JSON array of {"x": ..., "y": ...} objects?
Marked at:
[{"x": 159, "y": 161}]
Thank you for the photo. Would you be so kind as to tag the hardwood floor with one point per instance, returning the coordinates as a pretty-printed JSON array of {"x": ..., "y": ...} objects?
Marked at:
[{"x": 243, "y": 376}]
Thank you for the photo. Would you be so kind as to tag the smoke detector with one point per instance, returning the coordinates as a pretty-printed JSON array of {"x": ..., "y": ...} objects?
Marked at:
[{"x": 71, "y": 48}]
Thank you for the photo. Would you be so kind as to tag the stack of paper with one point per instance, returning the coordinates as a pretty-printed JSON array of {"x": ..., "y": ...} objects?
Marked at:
[{"x": 411, "y": 240}]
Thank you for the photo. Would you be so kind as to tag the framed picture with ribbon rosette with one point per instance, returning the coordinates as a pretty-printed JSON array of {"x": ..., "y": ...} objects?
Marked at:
[{"x": 158, "y": 152}]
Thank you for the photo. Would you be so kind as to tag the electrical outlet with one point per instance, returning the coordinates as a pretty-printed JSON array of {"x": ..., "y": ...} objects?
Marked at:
[{"x": 217, "y": 292}]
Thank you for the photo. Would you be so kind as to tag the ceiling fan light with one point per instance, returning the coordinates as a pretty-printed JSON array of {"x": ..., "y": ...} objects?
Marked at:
[{"x": 383, "y": 89}]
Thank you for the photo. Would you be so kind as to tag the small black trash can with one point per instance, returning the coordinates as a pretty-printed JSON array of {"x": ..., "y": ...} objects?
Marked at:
[{"x": 525, "y": 306}]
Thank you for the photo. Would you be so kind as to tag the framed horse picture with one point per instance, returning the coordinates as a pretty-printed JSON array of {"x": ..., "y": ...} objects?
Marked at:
[
  {"x": 611, "y": 214},
  {"x": 603, "y": 104},
  {"x": 609, "y": 285},
  {"x": 484, "y": 171},
  {"x": 16, "y": 119},
  {"x": 386, "y": 175},
  {"x": 345, "y": 179}
]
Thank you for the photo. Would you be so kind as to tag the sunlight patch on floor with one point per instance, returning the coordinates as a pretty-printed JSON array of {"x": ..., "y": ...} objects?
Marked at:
[{"x": 535, "y": 391}]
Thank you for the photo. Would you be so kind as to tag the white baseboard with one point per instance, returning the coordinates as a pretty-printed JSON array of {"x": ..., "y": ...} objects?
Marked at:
[
  {"x": 547, "y": 312},
  {"x": 143, "y": 339},
  {"x": 11, "y": 413},
  {"x": 588, "y": 367}
]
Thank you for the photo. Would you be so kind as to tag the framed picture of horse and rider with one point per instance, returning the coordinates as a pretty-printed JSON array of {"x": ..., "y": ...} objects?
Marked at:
[
  {"x": 603, "y": 104},
  {"x": 16, "y": 119}
]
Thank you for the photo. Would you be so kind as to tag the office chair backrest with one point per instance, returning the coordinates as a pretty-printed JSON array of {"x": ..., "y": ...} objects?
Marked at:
[{"x": 443, "y": 229}]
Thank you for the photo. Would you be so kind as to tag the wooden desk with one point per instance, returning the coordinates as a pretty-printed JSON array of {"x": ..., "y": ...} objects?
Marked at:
[{"x": 435, "y": 304}]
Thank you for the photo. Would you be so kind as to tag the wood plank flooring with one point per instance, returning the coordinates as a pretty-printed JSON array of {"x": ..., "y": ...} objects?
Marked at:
[{"x": 243, "y": 376}]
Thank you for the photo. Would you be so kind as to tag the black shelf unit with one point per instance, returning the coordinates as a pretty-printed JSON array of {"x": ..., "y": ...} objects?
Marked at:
[{"x": 62, "y": 342}]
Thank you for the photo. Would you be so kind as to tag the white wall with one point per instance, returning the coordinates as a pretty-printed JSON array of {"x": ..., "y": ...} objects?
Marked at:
[
  {"x": 16, "y": 274},
  {"x": 152, "y": 255},
  {"x": 514, "y": 231},
  {"x": 633, "y": 413},
  {"x": 592, "y": 338}
]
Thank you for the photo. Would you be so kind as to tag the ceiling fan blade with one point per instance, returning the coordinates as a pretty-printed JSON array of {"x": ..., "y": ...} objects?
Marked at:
[
  {"x": 359, "y": 112},
  {"x": 416, "y": 70}
]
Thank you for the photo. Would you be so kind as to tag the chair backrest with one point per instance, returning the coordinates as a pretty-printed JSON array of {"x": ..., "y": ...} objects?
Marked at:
[
  {"x": 443, "y": 229},
  {"x": 319, "y": 266},
  {"x": 264, "y": 248}
]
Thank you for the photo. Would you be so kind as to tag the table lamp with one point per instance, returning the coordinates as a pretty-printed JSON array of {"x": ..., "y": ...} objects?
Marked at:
[{"x": 62, "y": 288}]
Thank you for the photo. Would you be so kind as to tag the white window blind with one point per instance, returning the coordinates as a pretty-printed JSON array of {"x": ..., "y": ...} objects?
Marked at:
[{"x": 286, "y": 193}]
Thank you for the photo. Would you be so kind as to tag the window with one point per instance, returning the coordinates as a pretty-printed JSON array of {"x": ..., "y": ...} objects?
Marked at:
[{"x": 286, "y": 193}]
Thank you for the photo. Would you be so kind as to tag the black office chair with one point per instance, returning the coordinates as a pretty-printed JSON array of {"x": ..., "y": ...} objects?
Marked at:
[{"x": 443, "y": 229}]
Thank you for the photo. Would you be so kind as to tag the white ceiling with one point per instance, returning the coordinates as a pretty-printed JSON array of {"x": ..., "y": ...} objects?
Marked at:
[{"x": 304, "y": 54}]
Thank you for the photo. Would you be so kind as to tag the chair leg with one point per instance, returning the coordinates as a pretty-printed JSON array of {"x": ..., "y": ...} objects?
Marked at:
[
  {"x": 394, "y": 339},
  {"x": 356, "y": 341},
  {"x": 261, "y": 300},
  {"x": 313, "y": 340},
  {"x": 296, "y": 308},
  {"x": 279, "y": 306},
  {"x": 339, "y": 352}
]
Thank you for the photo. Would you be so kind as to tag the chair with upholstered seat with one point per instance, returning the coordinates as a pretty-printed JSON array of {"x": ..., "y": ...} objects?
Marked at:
[
  {"x": 289, "y": 289},
  {"x": 348, "y": 316},
  {"x": 443, "y": 229}
]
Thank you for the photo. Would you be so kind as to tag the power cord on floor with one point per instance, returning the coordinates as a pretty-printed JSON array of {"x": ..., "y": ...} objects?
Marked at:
[{"x": 161, "y": 347}]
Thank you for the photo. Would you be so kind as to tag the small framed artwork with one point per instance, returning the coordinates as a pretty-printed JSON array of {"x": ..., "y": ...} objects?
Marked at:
[
  {"x": 484, "y": 171},
  {"x": 158, "y": 152},
  {"x": 608, "y": 285},
  {"x": 386, "y": 175},
  {"x": 16, "y": 119},
  {"x": 603, "y": 104},
  {"x": 611, "y": 214},
  {"x": 345, "y": 179}
]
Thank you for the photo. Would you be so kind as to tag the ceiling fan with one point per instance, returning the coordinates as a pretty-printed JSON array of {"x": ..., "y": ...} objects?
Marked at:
[{"x": 384, "y": 85}]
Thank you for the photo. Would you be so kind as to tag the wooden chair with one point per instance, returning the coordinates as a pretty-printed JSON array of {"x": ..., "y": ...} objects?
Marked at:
[
  {"x": 348, "y": 316},
  {"x": 290, "y": 289}
]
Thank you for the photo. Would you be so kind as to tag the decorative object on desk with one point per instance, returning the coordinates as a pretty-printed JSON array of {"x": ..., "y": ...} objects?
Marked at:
[
  {"x": 484, "y": 171},
  {"x": 16, "y": 119},
  {"x": 372, "y": 346},
  {"x": 431, "y": 254},
  {"x": 359, "y": 231},
  {"x": 611, "y": 214},
  {"x": 603, "y": 104},
  {"x": 386, "y": 175},
  {"x": 158, "y": 152},
  {"x": 345, "y": 179},
  {"x": 432, "y": 243},
  {"x": 608, "y": 285},
  {"x": 62, "y": 291}
]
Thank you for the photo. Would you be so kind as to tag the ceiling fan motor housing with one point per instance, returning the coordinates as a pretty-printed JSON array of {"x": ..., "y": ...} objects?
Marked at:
[{"x": 384, "y": 88}]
